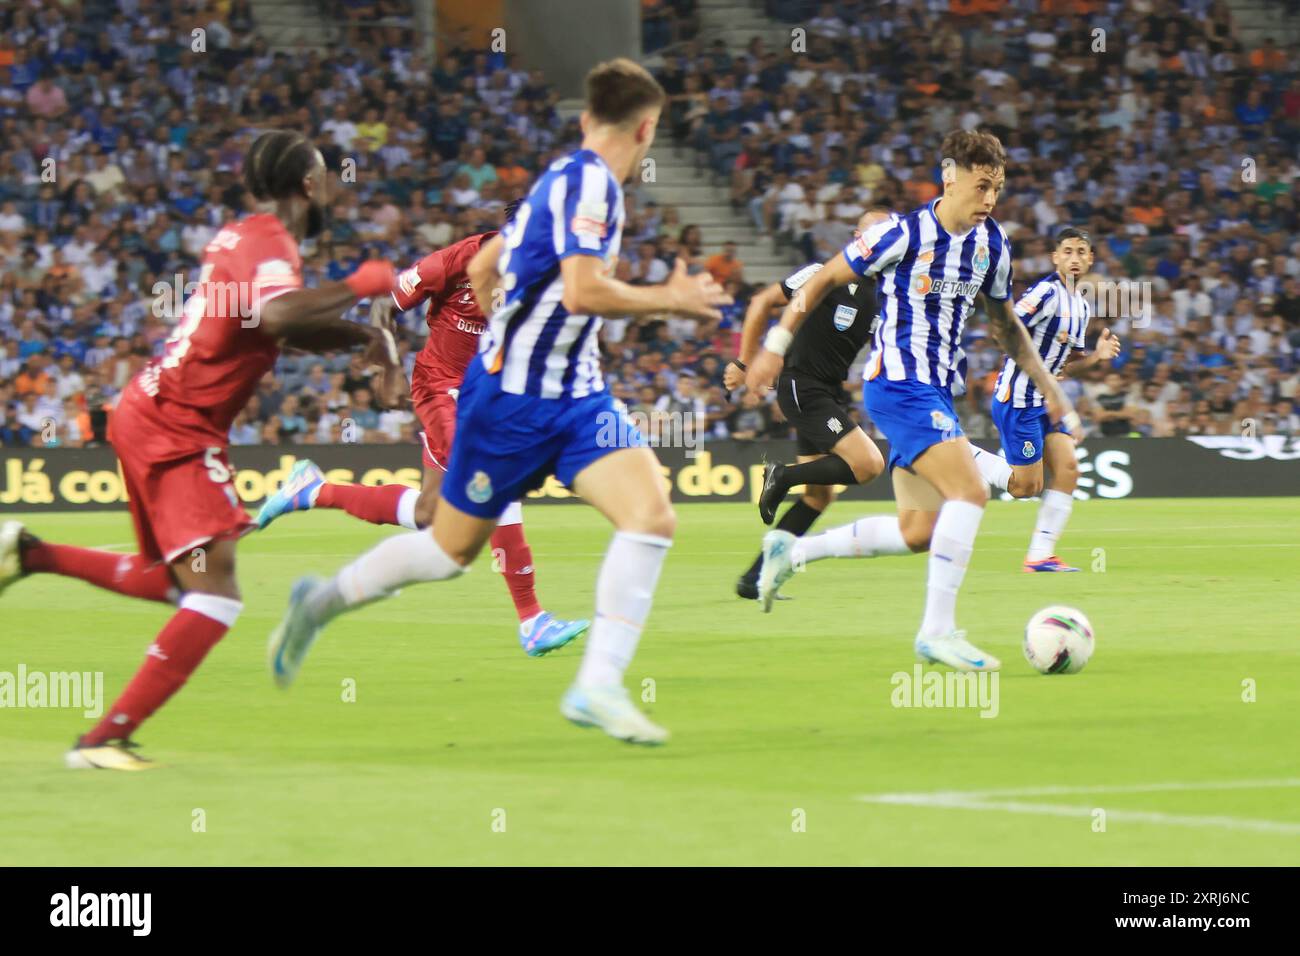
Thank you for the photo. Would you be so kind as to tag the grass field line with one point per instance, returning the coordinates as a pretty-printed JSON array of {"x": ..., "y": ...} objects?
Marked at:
[
  {"x": 556, "y": 555},
  {"x": 985, "y": 800},
  {"x": 317, "y": 532}
]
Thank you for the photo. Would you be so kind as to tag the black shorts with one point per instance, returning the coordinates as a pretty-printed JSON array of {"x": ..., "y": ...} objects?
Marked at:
[{"x": 818, "y": 410}]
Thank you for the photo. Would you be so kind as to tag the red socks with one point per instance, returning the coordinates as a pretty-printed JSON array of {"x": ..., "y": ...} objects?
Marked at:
[
  {"x": 180, "y": 647},
  {"x": 127, "y": 574},
  {"x": 511, "y": 554},
  {"x": 376, "y": 504}
]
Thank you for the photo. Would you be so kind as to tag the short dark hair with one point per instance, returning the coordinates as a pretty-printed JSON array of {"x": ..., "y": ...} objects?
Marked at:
[
  {"x": 510, "y": 211},
  {"x": 1073, "y": 232},
  {"x": 276, "y": 164},
  {"x": 971, "y": 148},
  {"x": 618, "y": 90}
]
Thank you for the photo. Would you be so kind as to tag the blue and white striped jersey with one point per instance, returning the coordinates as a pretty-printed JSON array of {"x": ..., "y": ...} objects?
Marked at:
[
  {"x": 1057, "y": 319},
  {"x": 928, "y": 282},
  {"x": 532, "y": 342}
]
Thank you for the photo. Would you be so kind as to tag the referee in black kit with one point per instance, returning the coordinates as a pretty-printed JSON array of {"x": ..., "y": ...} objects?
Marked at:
[{"x": 831, "y": 449}]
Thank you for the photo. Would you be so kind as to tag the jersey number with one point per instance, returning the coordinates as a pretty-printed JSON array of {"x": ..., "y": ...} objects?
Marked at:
[
  {"x": 520, "y": 226},
  {"x": 178, "y": 343},
  {"x": 218, "y": 470}
]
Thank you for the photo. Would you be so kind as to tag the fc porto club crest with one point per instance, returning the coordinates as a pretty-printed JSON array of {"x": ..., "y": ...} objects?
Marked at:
[
  {"x": 941, "y": 420},
  {"x": 981, "y": 259},
  {"x": 1028, "y": 450},
  {"x": 844, "y": 316},
  {"x": 479, "y": 488}
]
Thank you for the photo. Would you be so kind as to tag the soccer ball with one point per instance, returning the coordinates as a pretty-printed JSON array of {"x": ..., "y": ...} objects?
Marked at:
[{"x": 1058, "y": 640}]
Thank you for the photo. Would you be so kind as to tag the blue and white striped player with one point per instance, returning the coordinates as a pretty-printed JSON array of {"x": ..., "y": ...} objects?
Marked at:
[
  {"x": 931, "y": 264},
  {"x": 1056, "y": 315},
  {"x": 534, "y": 404}
]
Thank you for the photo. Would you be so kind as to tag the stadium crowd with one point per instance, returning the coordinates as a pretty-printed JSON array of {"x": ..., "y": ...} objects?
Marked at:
[{"x": 1174, "y": 146}]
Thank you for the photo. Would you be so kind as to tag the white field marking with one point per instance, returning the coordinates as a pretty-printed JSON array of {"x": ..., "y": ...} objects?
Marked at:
[
  {"x": 557, "y": 555},
  {"x": 1181, "y": 527},
  {"x": 983, "y": 800},
  {"x": 317, "y": 532},
  {"x": 978, "y": 550}
]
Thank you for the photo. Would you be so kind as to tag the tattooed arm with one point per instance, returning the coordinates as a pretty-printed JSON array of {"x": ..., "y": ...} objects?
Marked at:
[{"x": 1012, "y": 335}]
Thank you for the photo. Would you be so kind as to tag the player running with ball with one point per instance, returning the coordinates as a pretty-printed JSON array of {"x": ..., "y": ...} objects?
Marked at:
[
  {"x": 931, "y": 265},
  {"x": 171, "y": 430},
  {"x": 455, "y": 325},
  {"x": 534, "y": 404},
  {"x": 1056, "y": 316}
]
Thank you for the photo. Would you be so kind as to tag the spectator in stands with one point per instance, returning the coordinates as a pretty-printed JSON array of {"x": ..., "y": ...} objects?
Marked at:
[
  {"x": 147, "y": 138},
  {"x": 1114, "y": 413},
  {"x": 724, "y": 266},
  {"x": 752, "y": 421}
]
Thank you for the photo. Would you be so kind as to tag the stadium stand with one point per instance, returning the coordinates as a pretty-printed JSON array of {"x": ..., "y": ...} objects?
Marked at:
[{"x": 1173, "y": 143}]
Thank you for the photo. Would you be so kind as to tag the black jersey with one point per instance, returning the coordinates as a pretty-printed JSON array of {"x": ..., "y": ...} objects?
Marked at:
[{"x": 833, "y": 335}]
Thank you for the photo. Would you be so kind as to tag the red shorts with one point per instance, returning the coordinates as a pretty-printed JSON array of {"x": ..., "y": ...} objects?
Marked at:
[
  {"x": 433, "y": 398},
  {"x": 177, "y": 503}
]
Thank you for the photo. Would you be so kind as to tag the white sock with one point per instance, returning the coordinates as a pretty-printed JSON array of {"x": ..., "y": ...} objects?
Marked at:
[
  {"x": 223, "y": 610},
  {"x": 950, "y": 550},
  {"x": 993, "y": 467},
  {"x": 864, "y": 538},
  {"x": 1053, "y": 513},
  {"x": 624, "y": 591},
  {"x": 406, "y": 509},
  {"x": 402, "y": 559}
]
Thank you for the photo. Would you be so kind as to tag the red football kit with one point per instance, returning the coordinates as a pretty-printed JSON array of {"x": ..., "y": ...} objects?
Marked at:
[
  {"x": 170, "y": 431},
  {"x": 455, "y": 324},
  {"x": 171, "y": 428}
]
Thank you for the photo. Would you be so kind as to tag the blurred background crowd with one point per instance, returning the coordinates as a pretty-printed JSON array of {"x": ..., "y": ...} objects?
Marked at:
[{"x": 1171, "y": 143}]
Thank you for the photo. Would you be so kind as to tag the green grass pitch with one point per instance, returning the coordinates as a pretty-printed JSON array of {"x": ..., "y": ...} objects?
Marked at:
[{"x": 454, "y": 752}]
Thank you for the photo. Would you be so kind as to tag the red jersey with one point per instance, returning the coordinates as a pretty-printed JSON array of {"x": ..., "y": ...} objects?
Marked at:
[
  {"x": 454, "y": 318},
  {"x": 211, "y": 364}
]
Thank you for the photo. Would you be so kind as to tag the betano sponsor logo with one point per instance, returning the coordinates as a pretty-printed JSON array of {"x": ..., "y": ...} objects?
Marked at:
[{"x": 924, "y": 285}]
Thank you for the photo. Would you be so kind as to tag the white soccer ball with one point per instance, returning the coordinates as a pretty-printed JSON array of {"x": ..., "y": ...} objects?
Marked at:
[{"x": 1059, "y": 640}]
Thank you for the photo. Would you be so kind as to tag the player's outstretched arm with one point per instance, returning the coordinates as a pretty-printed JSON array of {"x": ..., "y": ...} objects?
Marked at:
[
  {"x": 1012, "y": 335},
  {"x": 765, "y": 367},
  {"x": 310, "y": 318},
  {"x": 393, "y": 389},
  {"x": 1078, "y": 363},
  {"x": 590, "y": 290},
  {"x": 483, "y": 276},
  {"x": 756, "y": 315}
]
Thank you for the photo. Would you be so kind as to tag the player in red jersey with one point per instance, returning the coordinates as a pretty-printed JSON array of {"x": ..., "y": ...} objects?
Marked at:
[
  {"x": 455, "y": 323},
  {"x": 170, "y": 431}
]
